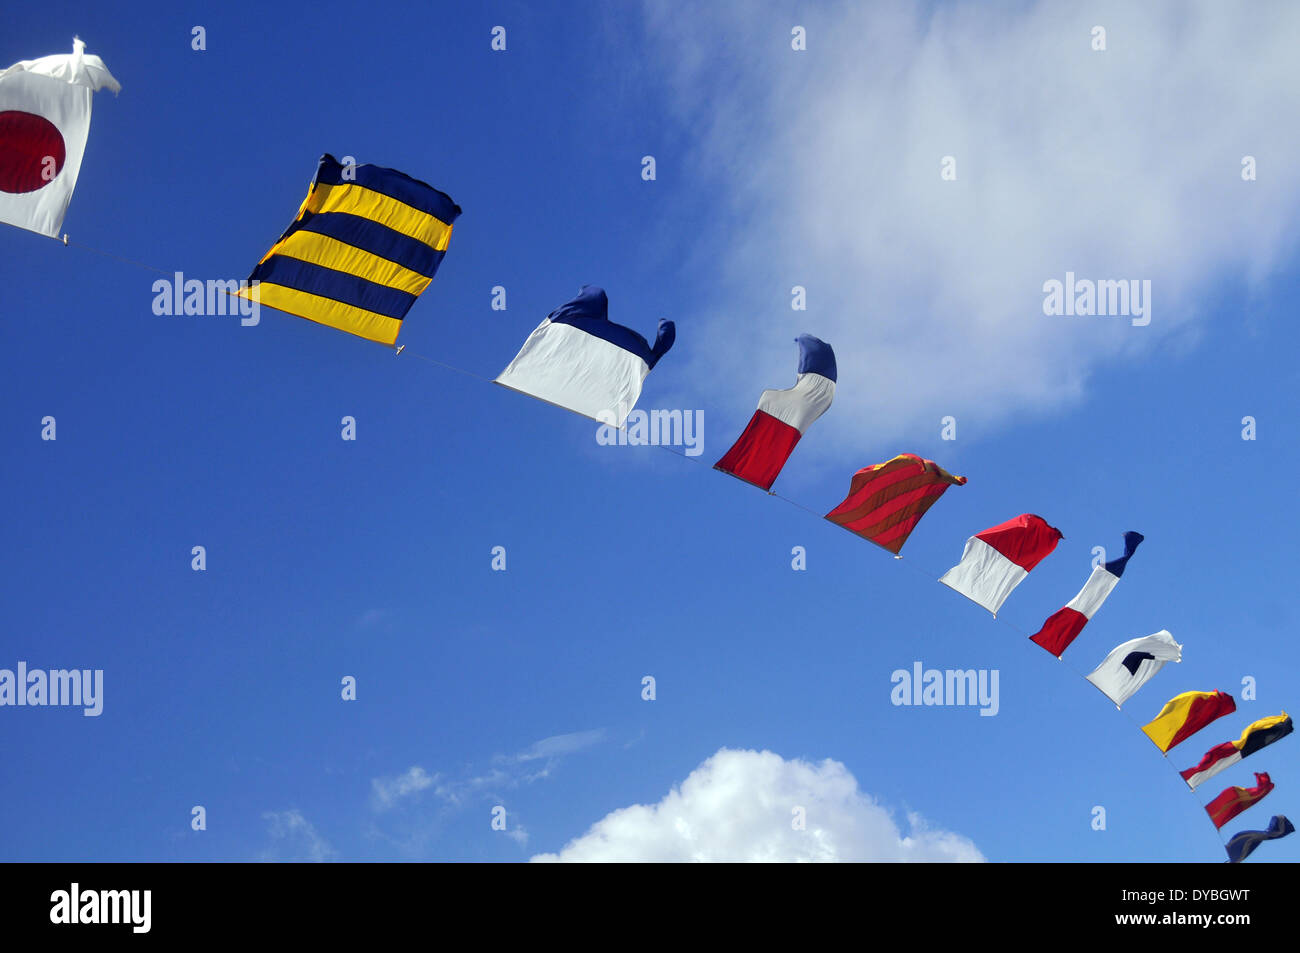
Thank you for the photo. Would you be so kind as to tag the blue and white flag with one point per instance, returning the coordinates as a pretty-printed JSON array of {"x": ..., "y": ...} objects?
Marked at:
[{"x": 580, "y": 360}]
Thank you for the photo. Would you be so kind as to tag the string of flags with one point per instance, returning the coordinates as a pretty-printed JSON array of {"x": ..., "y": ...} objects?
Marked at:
[{"x": 368, "y": 241}]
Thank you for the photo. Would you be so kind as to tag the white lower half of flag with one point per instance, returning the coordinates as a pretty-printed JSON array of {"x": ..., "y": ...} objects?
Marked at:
[
  {"x": 984, "y": 575},
  {"x": 44, "y": 123},
  {"x": 570, "y": 368},
  {"x": 1221, "y": 765}
]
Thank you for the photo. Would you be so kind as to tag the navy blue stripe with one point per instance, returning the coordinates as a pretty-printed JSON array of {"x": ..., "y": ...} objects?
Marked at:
[
  {"x": 815, "y": 357},
  {"x": 372, "y": 237},
  {"x": 328, "y": 283},
  {"x": 588, "y": 312},
  {"x": 1263, "y": 737},
  {"x": 1131, "y": 542},
  {"x": 394, "y": 184}
]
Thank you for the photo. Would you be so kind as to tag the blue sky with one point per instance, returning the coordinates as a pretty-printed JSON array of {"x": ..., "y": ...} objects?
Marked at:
[{"x": 775, "y": 168}]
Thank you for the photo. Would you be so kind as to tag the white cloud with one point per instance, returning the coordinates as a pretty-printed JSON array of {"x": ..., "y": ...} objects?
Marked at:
[
  {"x": 294, "y": 838},
  {"x": 821, "y": 168},
  {"x": 506, "y": 772},
  {"x": 738, "y": 806},
  {"x": 557, "y": 745},
  {"x": 388, "y": 791}
]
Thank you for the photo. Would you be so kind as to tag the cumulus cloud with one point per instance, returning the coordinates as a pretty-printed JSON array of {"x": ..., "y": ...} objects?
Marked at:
[
  {"x": 294, "y": 839},
  {"x": 821, "y": 168},
  {"x": 741, "y": 806}
]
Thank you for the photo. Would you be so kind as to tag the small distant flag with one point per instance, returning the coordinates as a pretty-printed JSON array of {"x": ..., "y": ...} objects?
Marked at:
[
  {"x": 1243, "y": 844},
  {"x": 44, "y": 125},
  {"x": 998, "y": 559},
  {"x": 1232, "y": 801},
  {"x": 783, "y": 416},
  {"x": 1064, "y": 626},
  {"x": 1130, "y": 666},
  {"x": 366, "y": 243},
  {"x": 1257, "y": 735},
  {"x": 1186, "y": 714},
  {"x": 580, "y": 360},
  {"x": 887, "y": 500}
]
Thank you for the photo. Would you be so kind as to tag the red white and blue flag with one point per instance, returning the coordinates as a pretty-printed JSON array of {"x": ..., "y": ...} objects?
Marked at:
[
  {"x": 783, "y": 416},
  {"x": 44, "y": 124},
  {"x": 1064, "y": 626}
]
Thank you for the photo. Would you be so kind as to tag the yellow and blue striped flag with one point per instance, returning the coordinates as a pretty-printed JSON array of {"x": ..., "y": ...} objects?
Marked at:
[{"x": 367, "y": 241}]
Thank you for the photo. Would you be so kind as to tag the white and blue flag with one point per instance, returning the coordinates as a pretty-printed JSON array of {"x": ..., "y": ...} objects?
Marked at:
[{"x": 580, "y": 360}]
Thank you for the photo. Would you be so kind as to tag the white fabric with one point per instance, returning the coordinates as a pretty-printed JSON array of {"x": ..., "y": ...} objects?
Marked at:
[
  {"x": 1115, "y": 680},
  {"x": 76, "y": 68},
  {"x": 1196, "y": 780},
  {"x": 59, "y": 89},
  {"x": 984, "y": 575},
  {"x": 1094, "y": 592},
  {"x": 803, "y": 403},
  {"x": 578, "y": 371}
]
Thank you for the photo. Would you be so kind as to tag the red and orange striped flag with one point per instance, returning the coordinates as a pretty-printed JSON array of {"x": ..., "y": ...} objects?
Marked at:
[{"x": 887, "y": 500}]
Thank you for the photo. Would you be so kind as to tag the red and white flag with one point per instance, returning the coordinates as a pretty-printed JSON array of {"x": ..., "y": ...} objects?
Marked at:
[
  {"x": 998, "y": 559},
  {"x": 44, "y": 123}
]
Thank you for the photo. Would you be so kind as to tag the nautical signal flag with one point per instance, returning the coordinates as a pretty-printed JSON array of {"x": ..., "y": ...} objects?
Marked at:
[
  {"x": 1186, "y": 714},
  {"x": 1257, "y": 735},
  {"x": 580, "y": 360},
  {"x": 1064, "y": 626},
  {"x": 44, "y": 124},
  {"x": 1243, "y": 844},
  {"x": 783, "y": 416},
  {"x": 998, "y": 559},
  {"x": 1130, "y": 666},
  {"x": 1232, "y": 801},
  {"x": 887, "y": 500},
  {"x": 365, "y": 244}
]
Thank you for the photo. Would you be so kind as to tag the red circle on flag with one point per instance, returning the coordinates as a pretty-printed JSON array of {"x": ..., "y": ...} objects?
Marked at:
[{"x": 31, "y": 152}]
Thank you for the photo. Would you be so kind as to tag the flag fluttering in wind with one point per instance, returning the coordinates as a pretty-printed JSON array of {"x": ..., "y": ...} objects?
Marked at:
[
  {"x": 44, "y": 125},
  {"x": 365, "y": 244},
  {"x": 1186, "y": 714},
  {"x": 1258, "y": 734},
  {"x": 1243, "y": 844},
  {"x": 887, "y": 500},
  {"x": 783, "y": 416},
  {"x": 1064, "y": 626},
  {"x": 998, "y": 559},
  {"x": 1130, "y": 666},
  {"x": 1232, "y": 801},
  {"x": 580, "y": 360}
]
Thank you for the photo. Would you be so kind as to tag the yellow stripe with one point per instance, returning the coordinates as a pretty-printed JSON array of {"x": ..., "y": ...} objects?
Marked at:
[
  {"x": 326, "y": 311},
  {"x": 400, "y": 217},
  {"x": 340, "y": 256}
]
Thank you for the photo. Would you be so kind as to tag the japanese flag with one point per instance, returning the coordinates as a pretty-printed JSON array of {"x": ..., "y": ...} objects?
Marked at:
[{"x": 44, "y": 122}]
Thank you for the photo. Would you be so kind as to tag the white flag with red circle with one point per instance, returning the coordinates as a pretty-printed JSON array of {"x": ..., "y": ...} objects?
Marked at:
[{"x": 44, "y": 123}]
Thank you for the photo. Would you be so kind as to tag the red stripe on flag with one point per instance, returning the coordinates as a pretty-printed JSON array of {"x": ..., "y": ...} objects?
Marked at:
[
  {"x": 1232, "y": 801},
  {"x": 1026, "y": 540},
  {"x": 760, "y": 453},
  {"x": 1061, "y": 628}
]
